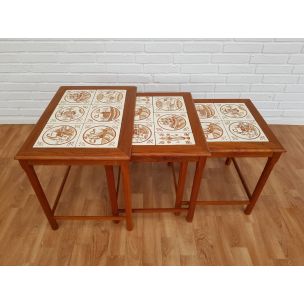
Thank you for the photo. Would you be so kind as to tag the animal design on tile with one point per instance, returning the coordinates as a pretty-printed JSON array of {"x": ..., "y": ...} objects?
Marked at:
[
  {"x": 244, "y": 130},
  {"x": 109, "y": 96},
  {"x": 169, "y": 103},
  {"x": 68, "y": 114},
  {"x": 77, "y": 96},
  {"x": 59, "y": 135},
  {"x": 99, "y": 135},
  {"x": 233, "y": 110},
  {"x": 205, "y": 111},
  {"x": 105, "y": 114},
  {"x": 141, "y": 112},
  {"x": 141, "y": 133},
  {"x": 171, "y": 122},
  {"x": 212, "y": 131}
]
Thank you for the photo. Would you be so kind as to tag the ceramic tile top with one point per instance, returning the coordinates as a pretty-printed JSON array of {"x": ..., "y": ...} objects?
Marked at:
[
  {"x": 86, "y": 119},
  {"x": 161, "y": 120},
  {"x": 227, "y": 122}
]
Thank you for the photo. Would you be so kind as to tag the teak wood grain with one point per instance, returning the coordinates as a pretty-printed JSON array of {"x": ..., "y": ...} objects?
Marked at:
[
  {"x": 82, "y": 155},
  {"x": 174, "y": 152},
  {"x": 230, "y": 150},
  {"x": 30, "y": 156}
]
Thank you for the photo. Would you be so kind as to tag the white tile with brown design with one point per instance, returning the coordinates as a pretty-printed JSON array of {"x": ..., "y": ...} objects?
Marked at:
[
  {"x": 244, "y": 131},
  {"x": 109, "y": 96},
  {"x": 69, "y": 113},
  {"x": 206, "y": 111},
  {"x": 105, "y": 114},
  {"x": 237, "y": 111},
  {"x": 99, "y": 136},
  {"x": 143, "y": 134},
  {"x": 215, "y": 131},
  {"x": 143, "y": 112},
  {"x": 174, "y": 138},
  {"x": 79, "y": 97},
  {"x": 169, "y": 104},
  {"x": 58, "y": 136},
  {"x": 172, "y": 122}
]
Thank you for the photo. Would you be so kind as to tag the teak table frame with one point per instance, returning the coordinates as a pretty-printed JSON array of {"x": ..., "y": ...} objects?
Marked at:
[
  {"x": 174, "y": 153},
  {"x": 28, "y": 156},
  {"x": 230, "y": 150}
]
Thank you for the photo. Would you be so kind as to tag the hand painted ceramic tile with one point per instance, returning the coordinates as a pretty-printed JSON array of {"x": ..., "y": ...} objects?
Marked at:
[
  {"x": 58, "y": 136},
  {"x": 99, "y": 136},
  {"x": 230, "y": 111},
  {"x": 80, "y": 97},
  {"x": 69, "y": 114},
  {"x": 109, "y": 96},
  {"x": 169, "y": 104},
  {"x": 147, "y": 100},
  {"x": 105, "y": 114},
  {"x": 172, "y": 138},
  {"x": 172, "y": 122},
  {"x": 143, "y": 134},
  {"x": 206, "y": 111},
  {"x": 214, "y": 130},
  {"x": 244, "y": 131},
  {"x": 143, "y": 112}
]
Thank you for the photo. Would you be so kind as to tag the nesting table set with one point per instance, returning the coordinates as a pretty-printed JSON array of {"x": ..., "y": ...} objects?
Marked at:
[{"x": 113, "y": 126}]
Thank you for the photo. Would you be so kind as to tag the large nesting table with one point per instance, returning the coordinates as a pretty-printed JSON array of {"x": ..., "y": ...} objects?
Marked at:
[
  {"x": 167, "y": 129},
  {"x": 235, "y": 128},
  {"x": 83, "y": 125}
]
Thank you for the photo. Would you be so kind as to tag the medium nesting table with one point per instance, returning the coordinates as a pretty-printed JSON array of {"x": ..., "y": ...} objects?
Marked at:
[
  {"x": 235, "y": 128},
  {"x": 89, "y": 125},
  {"x": 167, "y": 129}
]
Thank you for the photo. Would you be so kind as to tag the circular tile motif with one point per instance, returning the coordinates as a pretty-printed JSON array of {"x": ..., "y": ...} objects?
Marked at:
[
  {"x": 68, "y": 114},
  {"x": 99, "y": 135},
  {"x": 171, "y": 122},
  {"x": 109, "y": 96},
  {"x": 104, "y": 114},
  {"x": 205, "y": 111},
  {"x": 77, "y": 96},
  {"x": 59, "y": 135},
  {"x": 244, "y": 130},
  {"x": 141, "y": 133},
  {"x": 233, "y": 111},
  {"x": 141, "y": 112},
  {"x": 168, "y": 103},
  {"x": 213, "y": 131}
]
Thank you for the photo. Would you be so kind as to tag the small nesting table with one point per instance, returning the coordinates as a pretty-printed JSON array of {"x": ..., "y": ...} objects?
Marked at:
[
  {"x": 167, "y": 129},
  {"x": 235, "y": 128},
  {"x": 83, "y": 125}
]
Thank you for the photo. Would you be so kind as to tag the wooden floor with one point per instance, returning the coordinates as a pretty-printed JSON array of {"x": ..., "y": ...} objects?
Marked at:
[{"x": 220, "y": 235}]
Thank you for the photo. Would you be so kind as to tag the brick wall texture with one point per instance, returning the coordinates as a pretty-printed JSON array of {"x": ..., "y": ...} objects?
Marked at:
[{"x": 268, "y": 71}]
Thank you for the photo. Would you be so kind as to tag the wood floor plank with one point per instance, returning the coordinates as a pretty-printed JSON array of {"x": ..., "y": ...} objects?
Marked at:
[{"x": 219, "y": 235}]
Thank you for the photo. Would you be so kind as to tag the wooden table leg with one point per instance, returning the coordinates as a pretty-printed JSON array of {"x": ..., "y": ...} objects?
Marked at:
[
  {"x": 228, "y": 161},
  {"x": 127, "y": 194},
  {"x": 261, "y": 182},
  {"x": 195, "y": 187},
  {"x": 112, "y": 190},
  {"x": 181, "y": 185},
  {"x": 29, "y": 170}
]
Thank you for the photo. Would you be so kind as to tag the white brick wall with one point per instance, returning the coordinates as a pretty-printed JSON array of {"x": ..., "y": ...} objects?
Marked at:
[{"x": 269, "y": 71}]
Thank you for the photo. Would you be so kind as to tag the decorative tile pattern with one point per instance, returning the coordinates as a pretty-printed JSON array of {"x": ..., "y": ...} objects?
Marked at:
[
  {"x": 80, "y": 97},
  {"x": 143, "y": 134},
  {"x": 214, "y": 130},
  {"x": 162, "y": 120},
  {"x": 109, "y": 96},
  {"x": 58, "y": 136},
  {"x": 229, "y": 122},
  {"x": 85, "y": 118}
]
